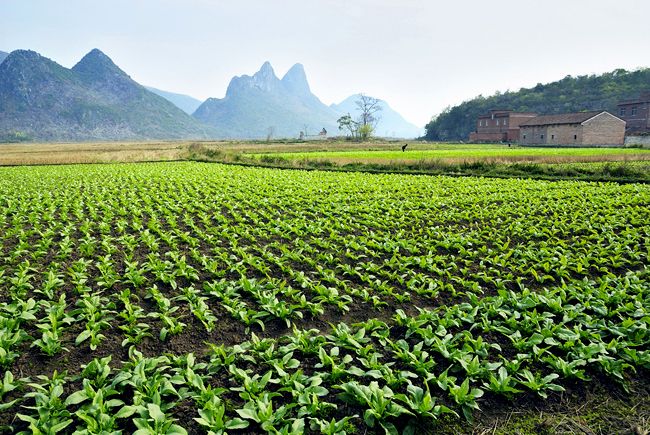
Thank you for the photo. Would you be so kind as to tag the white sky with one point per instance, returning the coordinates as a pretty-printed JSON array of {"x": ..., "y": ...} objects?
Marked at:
[{"x": 420, "y": 56}]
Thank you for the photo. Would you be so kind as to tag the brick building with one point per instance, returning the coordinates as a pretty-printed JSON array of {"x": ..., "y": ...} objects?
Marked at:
[
  {"x": 499, "y": 126},
  {"x": 580, "y": 129},
  {"x": 636, "y": 113}
]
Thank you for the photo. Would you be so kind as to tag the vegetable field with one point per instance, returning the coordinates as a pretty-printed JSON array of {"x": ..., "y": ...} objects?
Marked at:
[
  {"x": 192, "y": 297},
  {"x": 472, "y": 152}
]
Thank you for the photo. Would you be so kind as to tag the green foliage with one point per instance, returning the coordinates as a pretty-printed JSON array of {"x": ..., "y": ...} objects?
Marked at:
[
  {"x": 571, "y": 94},
  {"x": 94, "y": 100},
  {"x": 365, "y": 131},
  {"x": 349, "y": 126},
  {"x": 449, "y": 293}
]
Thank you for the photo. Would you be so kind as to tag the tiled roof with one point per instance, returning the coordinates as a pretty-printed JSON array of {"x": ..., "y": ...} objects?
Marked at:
[
  {"x": 562, "y": 118},
  {"x": 500, "y": 113}
]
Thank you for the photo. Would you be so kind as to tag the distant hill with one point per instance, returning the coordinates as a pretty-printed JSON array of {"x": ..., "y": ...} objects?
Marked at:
[
  {"x": 391, "y": 123},
  {"x": 571, "y": 94},
  {"x": 95, "y": 100},
  {"x": 184, "y": 102},
  {"x": 262, "y": 104},
  {"x": 3, "y": 55}
]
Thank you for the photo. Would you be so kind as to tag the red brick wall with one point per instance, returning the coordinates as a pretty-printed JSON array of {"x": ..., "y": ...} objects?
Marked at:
[
  {"x": 516, "y": 119},
  {"x": 506, "y": 130},
  {"x": 639, "y": 122},
  {"x": 487, "y": 137},
  {"x": 492, "y": 126}
]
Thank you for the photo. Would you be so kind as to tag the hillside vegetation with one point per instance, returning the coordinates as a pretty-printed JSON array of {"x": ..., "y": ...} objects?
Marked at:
[
  {"x": 94, "y": 100},
  {"x": 571, "y": 94}
]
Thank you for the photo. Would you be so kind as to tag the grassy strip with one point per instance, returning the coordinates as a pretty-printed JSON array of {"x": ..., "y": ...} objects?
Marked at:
[
  {"x": 620, "y": 172},
  {"x": 497, "y": 153},
  {"x": 595, "y": 409}
]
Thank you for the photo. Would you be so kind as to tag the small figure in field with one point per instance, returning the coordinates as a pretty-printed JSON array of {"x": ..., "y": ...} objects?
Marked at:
[{"x": 404, "y": 147}]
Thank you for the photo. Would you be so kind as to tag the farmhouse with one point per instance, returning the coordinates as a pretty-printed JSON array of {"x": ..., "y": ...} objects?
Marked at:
[
  {"x": 499, "y": 126},
  {"x": 580, "y": 129},
  {"x": 636, "y": 113}
]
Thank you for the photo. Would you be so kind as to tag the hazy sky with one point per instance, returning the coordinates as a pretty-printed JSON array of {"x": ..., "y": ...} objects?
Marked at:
[{"x": 418, "y": 55}]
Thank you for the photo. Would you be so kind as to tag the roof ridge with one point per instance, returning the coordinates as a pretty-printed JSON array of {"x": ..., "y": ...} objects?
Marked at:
[{"x": 563, "y": 118}]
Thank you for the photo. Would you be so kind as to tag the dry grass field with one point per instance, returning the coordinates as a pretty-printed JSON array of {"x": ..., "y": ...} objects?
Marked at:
[
  {"x": 69, "y": 153},
  {"x": 337, "y": 152}
]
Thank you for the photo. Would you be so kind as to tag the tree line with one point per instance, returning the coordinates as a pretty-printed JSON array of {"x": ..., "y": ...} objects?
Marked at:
[{"x": 571, "y": 94}]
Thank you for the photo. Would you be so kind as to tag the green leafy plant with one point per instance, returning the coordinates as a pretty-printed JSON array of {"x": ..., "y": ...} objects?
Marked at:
[
  {"x": 212, "y": 417},
  {"x": 466, "y": 397},
  {"x": 380, "y": 403},
  {"x": 538, "y": 383}
]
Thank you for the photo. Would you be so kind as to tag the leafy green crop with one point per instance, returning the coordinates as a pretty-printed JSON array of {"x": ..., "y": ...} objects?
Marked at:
[{"x": 217, "y": 298}]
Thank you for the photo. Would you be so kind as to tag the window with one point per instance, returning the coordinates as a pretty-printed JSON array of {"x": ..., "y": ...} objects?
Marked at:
[
  {"x": 505, "y": 122},
  {"x": 524, "y": 136},
  {"x": 552, "y": 136},
  {"x": 541, "y": 136},
  {"x": 575, "y": 137},
  {"x": 622, "y": 111},
  {"x": 497, "y": 122},
  {"x": 633, "y": 111}
]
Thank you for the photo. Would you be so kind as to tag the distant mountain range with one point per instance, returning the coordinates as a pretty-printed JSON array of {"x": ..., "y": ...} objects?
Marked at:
[
  {"x": 390, "y": 124},
  {"x": 95, "y": 100},
  {"x": 571, "y": 94},
  {"x": 263, "y": 105},
  {"x": 184, "y": 102}
]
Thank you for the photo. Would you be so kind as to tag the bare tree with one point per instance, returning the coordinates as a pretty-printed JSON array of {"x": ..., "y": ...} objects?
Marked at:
[
  {"x": 364, "y": 125},
  {"x": 368, "y": 108}
]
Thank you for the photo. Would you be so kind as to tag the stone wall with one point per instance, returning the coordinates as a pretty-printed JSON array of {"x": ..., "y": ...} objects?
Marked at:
[
  {"x": 603, "y": 129},
  {"x": 534, "y": 135},
  {"x": 644, "y": 141},
  {"x": 564, "y": 134},
  {"x": 551, "y": 135}
]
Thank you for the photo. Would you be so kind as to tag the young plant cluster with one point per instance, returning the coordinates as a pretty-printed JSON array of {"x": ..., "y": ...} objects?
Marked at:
[{"x": 311, "y": 301}]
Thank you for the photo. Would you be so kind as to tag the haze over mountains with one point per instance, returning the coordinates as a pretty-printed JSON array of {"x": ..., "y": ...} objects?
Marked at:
[
  {"x": 262, "y": 104},
  {"x": 94, "y": 100},
  {"x": 391, "y": 123},
  {"x": 184, "y": 102}
]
